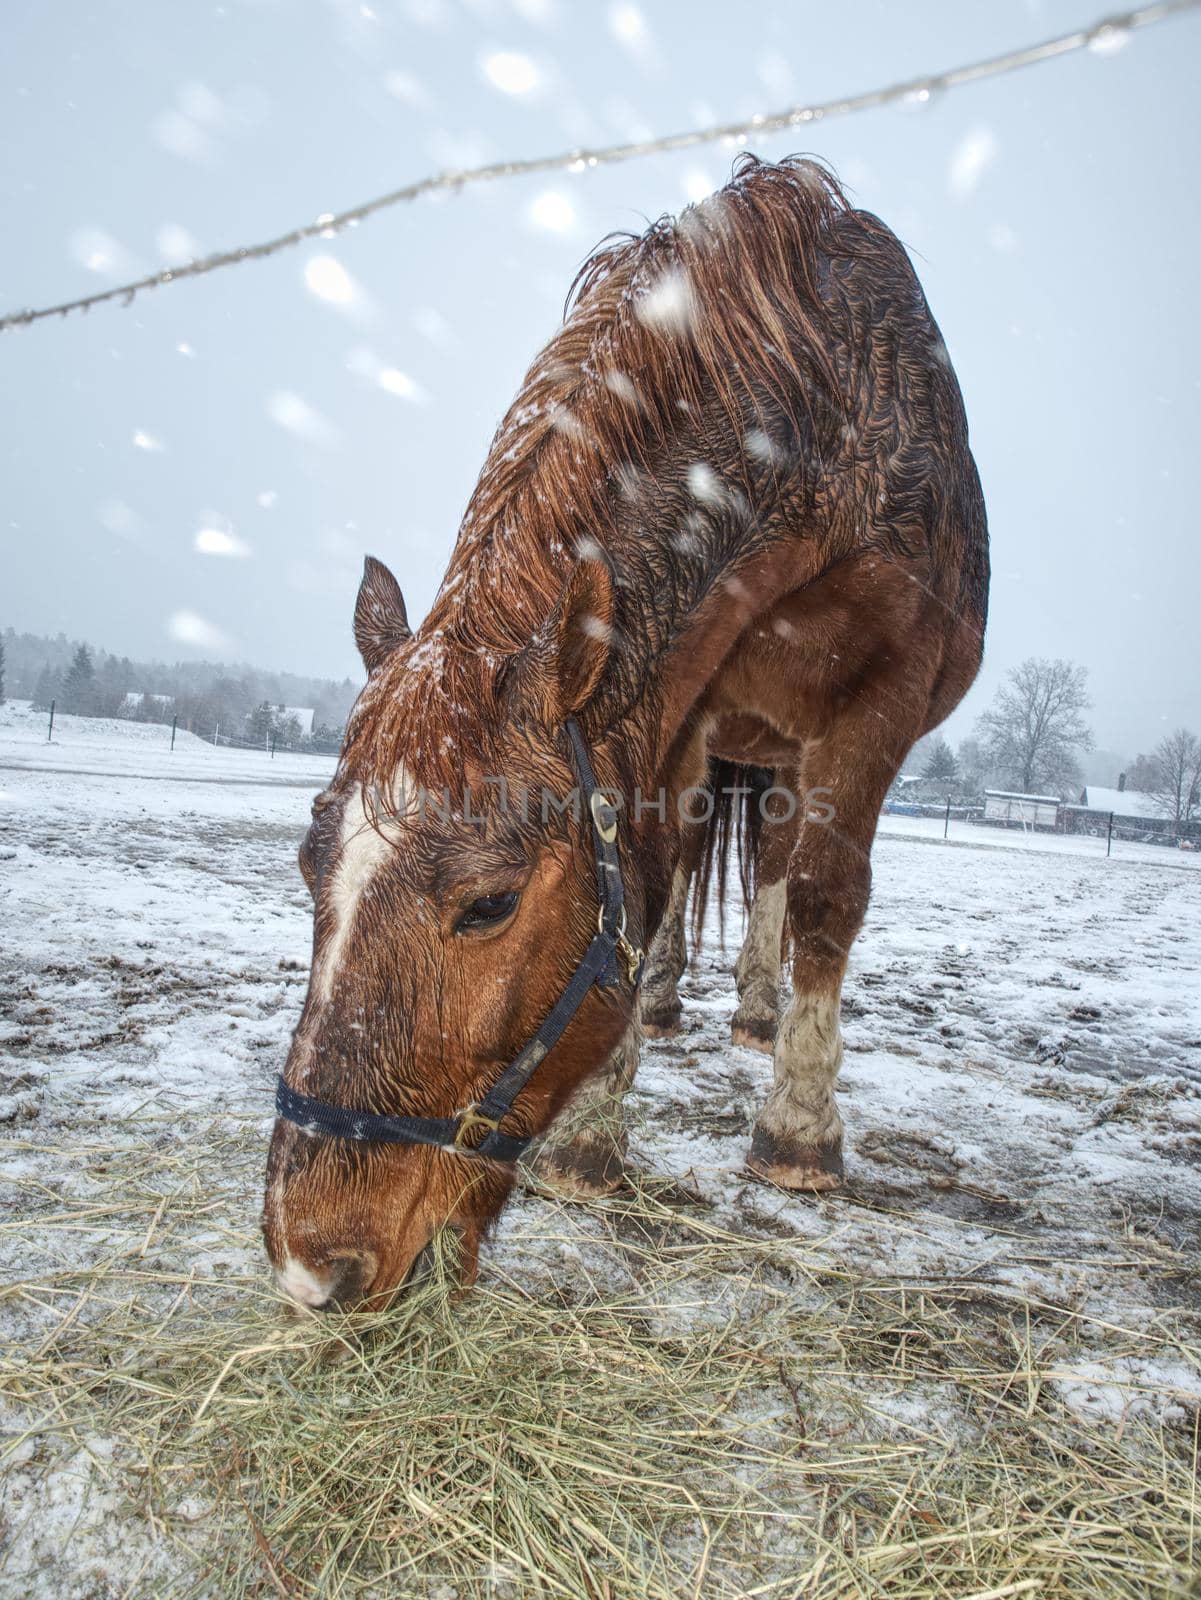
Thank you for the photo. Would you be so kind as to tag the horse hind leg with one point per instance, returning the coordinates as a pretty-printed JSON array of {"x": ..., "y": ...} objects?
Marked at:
[
  {"x": 757, "y": 970},
  {"x": 659, "y": 997},
  {"x": 797, "y": 1139}
]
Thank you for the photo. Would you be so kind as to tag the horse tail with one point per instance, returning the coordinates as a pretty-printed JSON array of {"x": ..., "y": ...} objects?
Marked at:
[{"x": 733, "y": 818}]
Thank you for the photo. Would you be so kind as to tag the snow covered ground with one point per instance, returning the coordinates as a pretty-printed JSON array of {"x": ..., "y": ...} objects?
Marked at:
[
  {"x": 101, "y": 746},
  {"x": 1022, "y": 1085}
]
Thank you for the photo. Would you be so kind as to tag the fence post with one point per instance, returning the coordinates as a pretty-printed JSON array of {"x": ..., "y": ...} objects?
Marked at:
[
  {"x": 216, "y": 733},
  {"x": 946, "y": 827},
  {"x": 273, "y": 747},
  {"x": 1109, "y": 835},
  {"x": 174, "y": 720},
  {"x": 50, "y": 729}
]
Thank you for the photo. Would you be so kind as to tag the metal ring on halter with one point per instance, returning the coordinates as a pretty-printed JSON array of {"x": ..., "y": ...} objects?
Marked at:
[{"x": 470, "y": 1118}]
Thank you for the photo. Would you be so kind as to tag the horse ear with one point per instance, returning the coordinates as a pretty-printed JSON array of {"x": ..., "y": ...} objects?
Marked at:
[
  {"x": 380, "y": 622},
  {"x": 580, "y": 635},
  {"x": 558, "y": 672}
]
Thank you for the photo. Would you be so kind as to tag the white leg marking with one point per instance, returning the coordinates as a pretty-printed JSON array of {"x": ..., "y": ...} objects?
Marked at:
[
  {"x": 800, "y": 1108},
  {"x": 757, "y": 970}
]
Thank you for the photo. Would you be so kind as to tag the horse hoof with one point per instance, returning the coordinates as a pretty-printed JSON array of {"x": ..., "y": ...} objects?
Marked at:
[
  {"x": 807, "y": 1169},
  {"x": 801, "y": 1180},
  {"x": 661, "y": 1024},
  {"x": 581, "y": 1172},
  {"x": 754, "y": 1035}
]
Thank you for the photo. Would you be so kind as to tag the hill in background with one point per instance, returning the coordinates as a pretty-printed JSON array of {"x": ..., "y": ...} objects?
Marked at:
[{"x": 204, "y": 695}]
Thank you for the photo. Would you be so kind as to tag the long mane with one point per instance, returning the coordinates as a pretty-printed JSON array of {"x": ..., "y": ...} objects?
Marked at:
[
  {"x": 717, "y": 311},
  {"x": 718, "y": 302}
]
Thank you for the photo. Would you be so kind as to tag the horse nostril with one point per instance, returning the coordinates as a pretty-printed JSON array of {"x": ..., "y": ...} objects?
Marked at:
[{"x": 350, "y": 1274}]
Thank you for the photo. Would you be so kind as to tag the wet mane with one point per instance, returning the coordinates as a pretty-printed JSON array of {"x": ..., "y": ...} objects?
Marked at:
[
  {"x": 714, "y": 316},
  {"x": 712, "y": 304}
]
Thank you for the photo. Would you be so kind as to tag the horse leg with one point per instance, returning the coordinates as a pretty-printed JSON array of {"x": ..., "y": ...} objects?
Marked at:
[
  {"x": 757, "y": 970},
  {"x": 797, "y": 1140},
  {"x": 659, "y": 998},
  {"x": 584, "y": 1150}
]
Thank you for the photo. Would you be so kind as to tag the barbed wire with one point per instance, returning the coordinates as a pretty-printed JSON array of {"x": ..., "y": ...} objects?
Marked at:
[{"x": 1109, "y": 31}]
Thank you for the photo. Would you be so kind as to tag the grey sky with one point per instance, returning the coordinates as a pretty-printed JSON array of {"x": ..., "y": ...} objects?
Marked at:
[{"x": 1052, "y": 216}]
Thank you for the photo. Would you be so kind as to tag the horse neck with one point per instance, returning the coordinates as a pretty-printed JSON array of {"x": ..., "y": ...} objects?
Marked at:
[{"x": 662, "y": 669}]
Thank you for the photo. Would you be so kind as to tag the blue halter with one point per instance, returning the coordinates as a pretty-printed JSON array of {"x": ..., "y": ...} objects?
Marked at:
[{"x": 457, "y": 1132}]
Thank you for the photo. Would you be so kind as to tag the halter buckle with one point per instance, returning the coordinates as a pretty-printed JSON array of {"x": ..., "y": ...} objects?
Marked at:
[
  {"x": 604, "y": 816},
  {"x": 468, "y": 1119},
  {"x": 632, "y": 956},
  {"x": 629, "y": 952}
]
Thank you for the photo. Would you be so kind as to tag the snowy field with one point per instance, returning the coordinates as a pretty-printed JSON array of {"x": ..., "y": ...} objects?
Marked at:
[{"x": 1022, "y": 1095}]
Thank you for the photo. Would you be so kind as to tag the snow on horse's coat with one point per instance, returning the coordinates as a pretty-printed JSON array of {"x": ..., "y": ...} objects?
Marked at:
[{"x": 731, "y": 515}]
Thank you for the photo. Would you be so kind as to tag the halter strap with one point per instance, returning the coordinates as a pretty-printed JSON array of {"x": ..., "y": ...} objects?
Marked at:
[{"x": 598, "y": 965}]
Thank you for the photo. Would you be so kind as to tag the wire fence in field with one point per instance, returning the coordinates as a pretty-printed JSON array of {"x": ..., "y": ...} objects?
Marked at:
[
  {"x": 270, "y": 741},
  {"x": 1103, "y": 35},
  {"x": 1061, "y": 818},
  {"x": 972, "y": 817}
]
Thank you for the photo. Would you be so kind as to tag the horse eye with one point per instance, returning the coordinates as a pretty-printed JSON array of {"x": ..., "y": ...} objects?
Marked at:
[{"x": 489, "y": 908}]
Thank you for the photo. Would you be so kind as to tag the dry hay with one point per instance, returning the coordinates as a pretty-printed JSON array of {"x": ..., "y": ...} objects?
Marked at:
[{"x": 734, "y": 1419}]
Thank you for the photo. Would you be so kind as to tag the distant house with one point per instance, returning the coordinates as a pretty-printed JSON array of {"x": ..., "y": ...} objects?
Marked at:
[
  {"x": 1007, "y": 810},
  {"x": 1135, "y": 815},
  {"x": 1126, "y": 804},
  {"x": 133, "y": 701}
]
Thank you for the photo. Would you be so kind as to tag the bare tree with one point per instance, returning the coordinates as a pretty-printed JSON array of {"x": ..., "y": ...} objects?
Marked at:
[
  {"x": 1176, "y": 763},
  {"x": 972, "y": 765},
  {"x": 1034, "y": 727},
  {"x": 1143, "y": 774}
]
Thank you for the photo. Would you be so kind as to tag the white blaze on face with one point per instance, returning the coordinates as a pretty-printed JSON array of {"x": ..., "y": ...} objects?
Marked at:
[{"x": 364, "y": 849}]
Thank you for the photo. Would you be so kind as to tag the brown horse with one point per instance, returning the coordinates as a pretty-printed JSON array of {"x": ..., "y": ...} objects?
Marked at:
[{"x": 731, "y": 514}]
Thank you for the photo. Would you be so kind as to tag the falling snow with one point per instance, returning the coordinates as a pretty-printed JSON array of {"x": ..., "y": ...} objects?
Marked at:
[
  {"x": 185, "y": 627},
  {"x": 972, "y": 158},
  {"x": 211, "y": 541},
  {"x": 669, "y": 305},
  {"x": 511, "y": 73}
]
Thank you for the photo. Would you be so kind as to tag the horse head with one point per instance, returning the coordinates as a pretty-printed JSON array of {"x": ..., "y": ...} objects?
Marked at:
[{"x": 454, "y": 875}]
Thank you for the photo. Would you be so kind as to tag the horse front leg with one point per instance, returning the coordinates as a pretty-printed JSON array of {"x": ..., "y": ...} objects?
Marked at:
[
  {"x": 797, "y": 1139},
  {"x": 583, "y": 1152}
]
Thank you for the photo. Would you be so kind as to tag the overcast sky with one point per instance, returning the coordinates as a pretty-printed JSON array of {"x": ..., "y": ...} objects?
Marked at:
[{"x": 201, "y": 473}]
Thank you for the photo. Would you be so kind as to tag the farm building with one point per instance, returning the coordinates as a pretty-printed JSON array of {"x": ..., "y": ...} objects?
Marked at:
[
  {"x": 133, "y": 702},
  {"x": 1135, "y": 816},
  {"x": 1127, "y": 805},
  {"x": 1007, "y": 810}
]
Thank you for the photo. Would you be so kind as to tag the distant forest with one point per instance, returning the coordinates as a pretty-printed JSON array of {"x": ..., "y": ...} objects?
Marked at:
[{"x": 205, "y": 696}]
